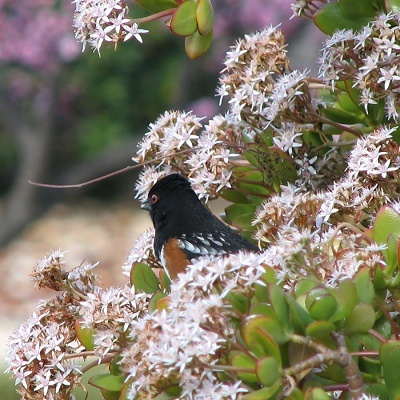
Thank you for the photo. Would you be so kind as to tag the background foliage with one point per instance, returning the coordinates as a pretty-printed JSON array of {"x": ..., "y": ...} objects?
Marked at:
[{"x": 314, "y": 314}]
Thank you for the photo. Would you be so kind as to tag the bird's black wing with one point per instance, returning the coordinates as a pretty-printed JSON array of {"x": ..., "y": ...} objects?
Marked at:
[{"x": 223, "y": 241}]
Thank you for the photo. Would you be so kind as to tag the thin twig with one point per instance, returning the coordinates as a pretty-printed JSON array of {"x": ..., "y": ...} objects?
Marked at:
[
  {"x": 377, "y": 335},
  {"x": 120, "y": 171},
  {"x": 155, "y": 16},
  {"x": 105, "y": 360}
]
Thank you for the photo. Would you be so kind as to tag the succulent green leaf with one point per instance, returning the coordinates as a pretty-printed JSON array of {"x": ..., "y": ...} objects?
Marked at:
[
  {"x": 279, "y": 304},
  {"x": 196, "y": 45},
  {"x": 244, "y": 222},
  {"x": 153, "y": 303},
  {"x": 330, "y": 130},
  {"x": 239, "y": 170},
  {"x": 387, "y": 222},
  {"x": 144, "y": 279},
  {"x": 261, "y": 290},
  {"x": 252, "y": 327},
  {"x": 321, "y": 304},
  {"x": 114, "y": 366},
  {"x": 380, "y": 279},
  {"x": 85, "y": 335},
  {"x": 183, "y": 22},
  {"x": 300, "y": 317},
  {"x": 320, "y": 329},
  {"x": 384, "y": 327},
  {"x": 335, "y": 114},
  {"x": 253, "y": 189},
  {"x": 396, "y": 133},
  {"x": 346, "y": 296},
  {"x": 268, "y": 371},
  {"x": 353, "y": 92},
  {"x": 241, "y": 361},
  {"x": 361, "y": 319},
  {"x": 162, "y": 303},
  {"x": 344, "y": 14},
  {"x": 261, "y": 293},
  {"x": 155, "y": 6},
  {"x": 267, "y": 136},
  {"x": 386, "y": 230},
  {"x": 346, "y": 102},
  {"x": 390, "y": 358},
  {"x": 125, "y": 390},
  {"x": 364, "y": 286},
  {"x": 238, "y": 301},
  {"x": 378, "y": 390},
  {"x": 205, "y": 17},
  {"x": 110, "y": 395},
  {"x": 376, "y": 111},
  {"x": 269, "y": 276},
  {"x": 276, "y": 167},
  {"x": 251, "y": 157},
  {"x": 333, "y": 373},
  {"x": 262, "y": 309},
  {"x": 234, "y": 211},
  {"x": 304, "y": 286},
  {"x": 313, "y": 138},
  {"x": 234, "y": 196},
  {"x": 316, "y": 394},
  {"x": 393, "y": 5},
  {"x": 264, "y": 393},
  {"x": 370, "y": 365},
  {"x": 252, "y": 175},
  {"x": 371, "y": 368},
  {"x": 108, "y": 382},
  {"x": 296, "y": 394}
]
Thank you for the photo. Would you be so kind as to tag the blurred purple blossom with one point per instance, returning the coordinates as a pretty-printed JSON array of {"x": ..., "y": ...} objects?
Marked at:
[{"x": 37, "y": 33}]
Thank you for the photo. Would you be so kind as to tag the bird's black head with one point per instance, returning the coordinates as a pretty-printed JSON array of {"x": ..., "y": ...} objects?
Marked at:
[{"x": 170, "y": 197}]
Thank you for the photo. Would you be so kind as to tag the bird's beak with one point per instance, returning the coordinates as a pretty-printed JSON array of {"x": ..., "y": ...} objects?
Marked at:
[{"x": 146, "y": 205}]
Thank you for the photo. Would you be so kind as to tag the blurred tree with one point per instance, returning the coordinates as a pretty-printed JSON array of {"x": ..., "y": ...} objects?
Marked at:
[
  {"x": 66, "y": 118},
  {"x": 34, "y": 44}
]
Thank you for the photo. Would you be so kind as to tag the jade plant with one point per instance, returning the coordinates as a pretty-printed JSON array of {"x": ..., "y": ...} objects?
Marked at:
[{"x": 310, "y": 167}]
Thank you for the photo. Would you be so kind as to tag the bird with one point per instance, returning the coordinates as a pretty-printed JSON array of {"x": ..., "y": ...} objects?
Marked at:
[{"x": 184, "y": 228}]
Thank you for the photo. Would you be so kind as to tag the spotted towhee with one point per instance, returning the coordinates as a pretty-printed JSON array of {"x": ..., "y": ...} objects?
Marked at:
[{"x": 184, "y": 228}]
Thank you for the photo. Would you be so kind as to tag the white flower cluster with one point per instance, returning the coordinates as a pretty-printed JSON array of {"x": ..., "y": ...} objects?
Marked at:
[
  {"x": 109, "y": 313},
  {"x": 373, "y": 160},
  {"x": 374, "y": 155},
  {"x": 38, "y": 360},
  {"x": 252, "y": 66},
  {"x": 99, "y": 21},
  {"x": 181, "y": 143},
  {"x": 261, "y": 91},
  {"x": 142, "y": 251},
  {"x": 297, "y": 226},
  {"x": 39, "y": 350},
  {"x": 370, "y": 58},
  {"x": 176, "y": 345}
]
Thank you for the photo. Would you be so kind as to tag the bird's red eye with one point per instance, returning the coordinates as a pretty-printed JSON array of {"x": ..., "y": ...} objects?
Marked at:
[{"x": 154, "y": 198}]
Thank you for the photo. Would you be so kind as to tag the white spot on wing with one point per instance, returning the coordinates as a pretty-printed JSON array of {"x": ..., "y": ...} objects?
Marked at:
[
  {"x": 204, "y": 251},
  {"x": 190, "y": 247},
  {"x": 204, "y": 241},
  {"x": 162, "y": 258}
]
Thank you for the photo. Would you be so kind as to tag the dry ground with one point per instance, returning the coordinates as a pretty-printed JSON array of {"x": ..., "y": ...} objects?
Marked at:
[{"x": 91, "y": 231}]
